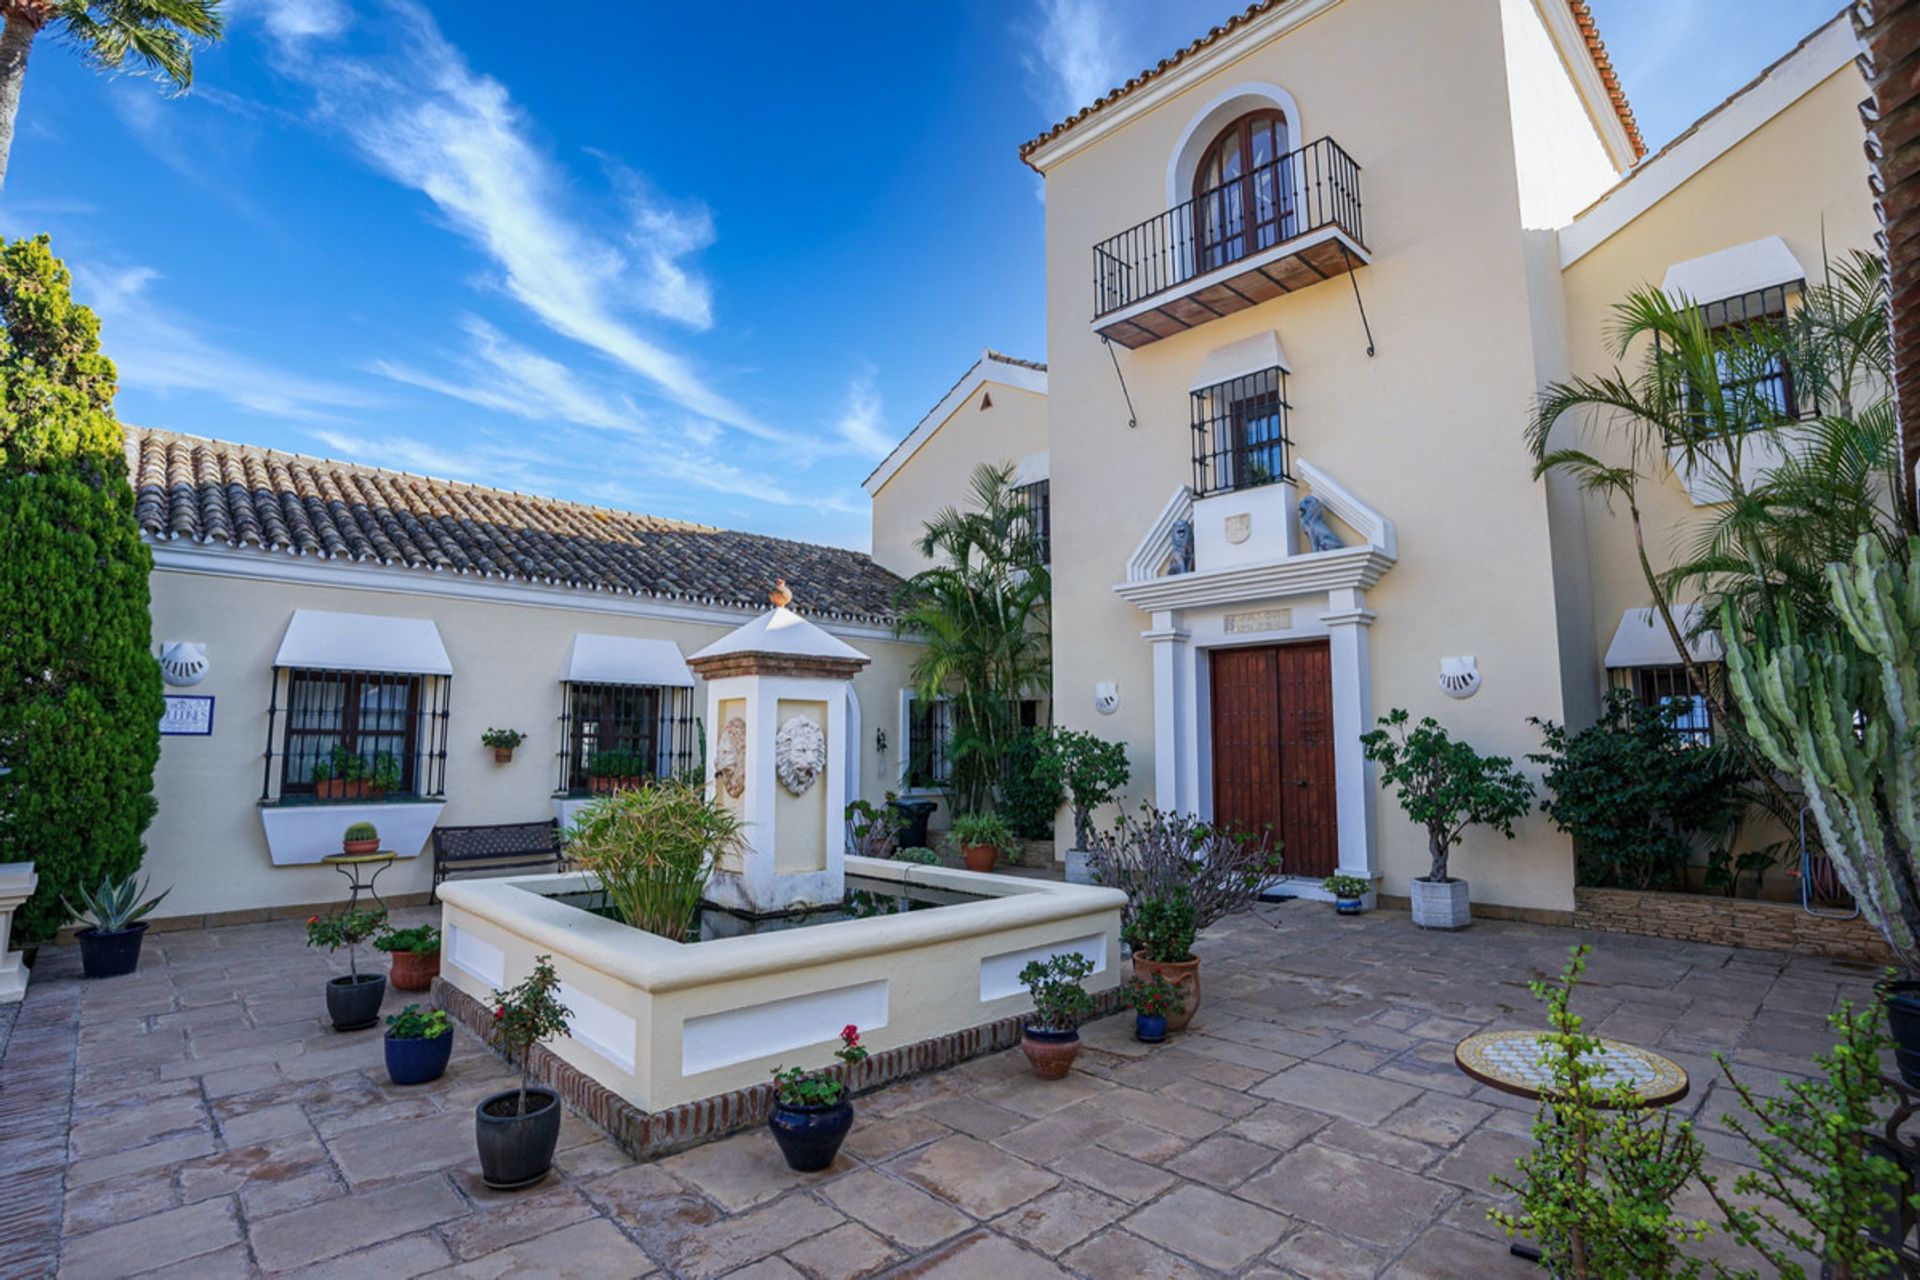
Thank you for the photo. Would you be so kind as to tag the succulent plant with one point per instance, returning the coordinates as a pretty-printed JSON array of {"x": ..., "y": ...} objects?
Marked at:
[
  {"x": 116, "y": 903},
  {"x": 361, "y": 831}
]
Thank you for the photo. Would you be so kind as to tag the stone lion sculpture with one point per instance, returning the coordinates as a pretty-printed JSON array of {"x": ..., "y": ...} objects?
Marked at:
[
  {"x": 1180, "y": 559},
  {"x": 730, "y": 757},
  {"x": 1313, "y": 523},
  {"x": 799, "y": 754}
]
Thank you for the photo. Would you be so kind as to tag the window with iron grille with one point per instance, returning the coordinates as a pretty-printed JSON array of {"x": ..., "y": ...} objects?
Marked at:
[
  {"x": 1756, "y": 385},
  {"x": 356, "y": 735},
  {"x": 1240, "y": 433},
  {"x": 929, "y": 740},
  {"x": 1038, "y": 498},
  {"x": 624, "y": 735},
  {"x": 1670, "y": 686}
]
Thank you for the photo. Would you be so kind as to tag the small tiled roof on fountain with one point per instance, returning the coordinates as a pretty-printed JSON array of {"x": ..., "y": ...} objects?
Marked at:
[{"x": 778, "y": 642}]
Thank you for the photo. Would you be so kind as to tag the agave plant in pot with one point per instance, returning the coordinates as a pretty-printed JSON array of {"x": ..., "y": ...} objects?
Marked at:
[
  {"x": 418, "y": 1045},
  {"x": 353, "y": 998},
  {"x": 110, "y": 944},
  {"x": 981, "y": 837},
  {"x": 811, "y": 1114},
  {"x": 517, "y": 1129},
  {"x": 1051, "y": 1036},
  {"x": 416, "y": 956}
]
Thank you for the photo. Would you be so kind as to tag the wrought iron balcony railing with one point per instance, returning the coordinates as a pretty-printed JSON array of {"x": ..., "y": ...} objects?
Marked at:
[{"x": 1294, "y": 196}]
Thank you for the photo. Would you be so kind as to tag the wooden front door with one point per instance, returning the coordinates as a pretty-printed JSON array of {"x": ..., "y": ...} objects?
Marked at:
[{"x": 1273, "y": 750}]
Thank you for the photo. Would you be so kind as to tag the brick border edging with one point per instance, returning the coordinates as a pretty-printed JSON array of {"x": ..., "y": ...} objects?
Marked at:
[{"x": 648, "y": 1134}]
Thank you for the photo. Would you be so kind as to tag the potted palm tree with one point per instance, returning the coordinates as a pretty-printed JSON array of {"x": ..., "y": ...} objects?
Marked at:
[
  {"x": 416, "y": 956},
  {"x": 418, "y": 1045},
  {"x": 1051, "y": 1036},
  {"x": 981, "y": 837},
  {"x": 517, "y": 1129},
  {"x": 353, "y": 999},
  {"x": 110, "y": 945},
  {"x": 811, "y": 1114}
]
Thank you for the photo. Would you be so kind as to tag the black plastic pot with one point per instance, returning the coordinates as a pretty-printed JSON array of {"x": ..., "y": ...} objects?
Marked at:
[
  {"x": 416, "y": 1061},
  {"x": 353, "y": 1001},
  {"x": 912, "y": 815},
  {"x": 112, "y": 954},
  {"x": 1903, "y": 1024},
  {"x": 810, "y": 1137},
  {"x": 517, "y": 1150}
]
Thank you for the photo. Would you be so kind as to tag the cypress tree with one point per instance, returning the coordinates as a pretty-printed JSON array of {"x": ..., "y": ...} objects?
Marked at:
[{"x": 80, "y": 695}]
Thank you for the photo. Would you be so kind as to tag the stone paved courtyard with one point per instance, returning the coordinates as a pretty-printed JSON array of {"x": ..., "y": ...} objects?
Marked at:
[{"x": 200, "y": 1119}]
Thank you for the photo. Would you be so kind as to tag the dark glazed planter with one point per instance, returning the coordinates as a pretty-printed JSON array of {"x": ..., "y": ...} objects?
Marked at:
[
  {"x": 810, "y": 1137},
  {"x": 911, "y": 817},
  {"x": 1347, "y": 906},
  {"x": 1902, "y": 999},
  {"x": 1150, "y": 1028},
  {"x": 1050, "y": 1052},
  {"x": 414, "y": 970},
  {"x": 416, "y": 1061},
  {"x": 354, "y": 1002},
  {"x": 1184, "y": 975},
  {"x": 517, "y": 1150},
  {"x": 111, "y": 955}
]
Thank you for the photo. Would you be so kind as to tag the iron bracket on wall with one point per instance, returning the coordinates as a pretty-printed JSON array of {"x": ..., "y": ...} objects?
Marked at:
[
  {"x": 1132, "y": 419},
  {"x": 1348, "y": 257}
]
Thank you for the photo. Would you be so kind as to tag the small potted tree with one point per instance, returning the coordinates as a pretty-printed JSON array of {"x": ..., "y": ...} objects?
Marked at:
[
  {"x": 1091, "y": 770},
  {"x": 811, "y": 1114},
  {"x": 1051, "y": 1036},
  {"x": 503, "y": 741},
  {"x": 418, "y": 1045},
  {"x": 416, "y": 956},
  {"x": 359, "y": 838},
  {"x": 1446, "y": 787},
  {"x": 110, "y": 944},
  {"x": 1151, "y": 998},
  {"x": 353, "y": 999},
  {"x": 1161, "y": 935},
  {"x": 981, "y": 837},
  {"x": 517, "y": 1129},
  {"x": 1349, "y": 892}
]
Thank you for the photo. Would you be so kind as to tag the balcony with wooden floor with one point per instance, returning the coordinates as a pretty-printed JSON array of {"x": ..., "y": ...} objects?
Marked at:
[{"x": 1281, "y": 226}]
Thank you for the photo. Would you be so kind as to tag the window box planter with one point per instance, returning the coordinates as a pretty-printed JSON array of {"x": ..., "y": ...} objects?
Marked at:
[
  {"x": 110, "y": 954},
  {"x": 810, "y": 1136},
  {"x": 413, "y": 1060},
  {"x": 516, "y": 1150}
]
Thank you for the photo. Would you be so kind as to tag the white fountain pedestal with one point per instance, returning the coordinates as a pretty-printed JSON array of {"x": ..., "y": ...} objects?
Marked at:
[
  {"x": 17, "y": 883},
  {"x": 776, "y": 755}
]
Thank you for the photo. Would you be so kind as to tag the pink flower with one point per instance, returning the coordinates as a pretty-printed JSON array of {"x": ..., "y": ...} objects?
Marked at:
[
  {"x": 499, "y": 1013},
  {"x": 850, "y": 1034},
  {"x": 313, "y": 919}
]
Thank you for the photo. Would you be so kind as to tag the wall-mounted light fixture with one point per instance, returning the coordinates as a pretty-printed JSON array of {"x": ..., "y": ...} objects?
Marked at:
[{"x": 880, "y": 741}]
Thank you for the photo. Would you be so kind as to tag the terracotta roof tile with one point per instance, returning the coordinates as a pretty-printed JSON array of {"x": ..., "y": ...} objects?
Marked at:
[
  {"x": 1582, "y": 16},
  {"x": 263, "y": 501}
]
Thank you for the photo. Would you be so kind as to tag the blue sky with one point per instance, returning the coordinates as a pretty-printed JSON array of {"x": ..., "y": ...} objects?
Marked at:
[{"x": 700, "y": 261}]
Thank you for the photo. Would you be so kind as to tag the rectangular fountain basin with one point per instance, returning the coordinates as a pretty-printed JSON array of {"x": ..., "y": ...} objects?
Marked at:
[{"x": 662, "y": 1023}]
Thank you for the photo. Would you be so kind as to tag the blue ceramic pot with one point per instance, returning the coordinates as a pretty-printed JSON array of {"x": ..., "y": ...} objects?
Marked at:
[
  {"x": 1150, "y": 1028},
  {"x": 810, "y": 1137},
  {"x": 1347, "y": 906},
  {"x": 416, "y": 1061}
]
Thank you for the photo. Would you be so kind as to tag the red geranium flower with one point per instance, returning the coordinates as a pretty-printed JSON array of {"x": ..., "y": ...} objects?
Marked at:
[
  {"x": 499, "y": 1012},
  {"x": 850, "y": 1034}
]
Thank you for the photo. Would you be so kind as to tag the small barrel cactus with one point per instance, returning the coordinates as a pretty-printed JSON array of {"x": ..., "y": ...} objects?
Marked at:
[{"x": 360, "y": 831}]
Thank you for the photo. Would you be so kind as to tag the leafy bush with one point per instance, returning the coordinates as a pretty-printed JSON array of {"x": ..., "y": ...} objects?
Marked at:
[
  {"x": 1345, "y": 886},
  {"x": 1091, "y": 771},
  {"x": 345, "y": 929},
  {"x": 80, "y": 699},
  {"x": 652, "y": 850},
  {"x": 1634, "y": 795},
  {"x": 1159, "y": 855},
  {"x": 982, "y": 828},
  {"x": 411, "y": 1024},
  {"x": 502, "y": 739},
  {"x": 1162, "y": 926},
  {"x": 419, "y": 939},
  {"x": 918, "y": 854},
  {"x": 1445, "y": 786},
  {"x": 1032, "y": 793},
  {"x": 1060, "y": 1003},
  {"x": 525, "y": 1015},
  {"x": 871, "y": 827}
]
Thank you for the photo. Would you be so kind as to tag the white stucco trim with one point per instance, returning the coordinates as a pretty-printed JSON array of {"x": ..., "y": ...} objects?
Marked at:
[
  {"x": 1733, "y": 272},
  {"x": 1571, "y": 44},
  {"x": 1156, "y": 544},
  {"x": 988, "y": 368},
  {"x": 626, "y": 660},
  {"x": 1641, "y": 640},
  {"x": 716, "y": 1040},
  {"x": 300, "y": 835},
  {"x": 229, "y": 562},
  {"x": 1000, "y": 974},
  {"x": 1031, "y": 469},
  {"x": 1361, "y": 518},
  {"x": 1238, "y": 359},
  {"x": 1348, "y": 569},
  {"x": 1221, "y": 110},
  {"x": 322, "y": 640},
  {"x": 1822, "y": 54}
]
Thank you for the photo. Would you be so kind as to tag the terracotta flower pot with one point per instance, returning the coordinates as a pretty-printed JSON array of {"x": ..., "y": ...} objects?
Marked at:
[
  {"x": 1183, "y": 974},
  {"x": 414, "y": 970},
  {"x": 503, "y": 755},
  {"x": 1050, "y": 1052},
  {"x": 355, "y": 847},
  {"x": 980, "y": 857},
  {"x": 599, "y": 786}
]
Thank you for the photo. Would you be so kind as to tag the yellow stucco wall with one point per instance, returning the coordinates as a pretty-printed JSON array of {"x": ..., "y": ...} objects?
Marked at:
[
  {"x": 206, "y": 841},
  {"x": 936, "y": 475}
]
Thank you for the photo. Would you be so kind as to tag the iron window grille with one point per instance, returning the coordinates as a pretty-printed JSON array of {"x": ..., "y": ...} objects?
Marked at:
[
  {"x": 1240, "y": 436},
  {"x": 355, "y": 735},
  {"x": 622, "y": 735},
  {"x": 1671, "y": 686},
  {"x": 929, "y": 762},
  {"x": 1756, "y": 384},
  {"x": 1038, "y": 498}
]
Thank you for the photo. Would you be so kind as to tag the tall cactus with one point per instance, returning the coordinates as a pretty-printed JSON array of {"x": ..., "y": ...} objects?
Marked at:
[{"x": 1840, "y": 711}]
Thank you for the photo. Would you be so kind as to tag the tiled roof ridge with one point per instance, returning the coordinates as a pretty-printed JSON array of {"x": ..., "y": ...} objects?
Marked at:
[
  {"x": 1582, "y": 16},
  {"x": 1001, "y": 357},
  {"x": 254, "y": 498}
]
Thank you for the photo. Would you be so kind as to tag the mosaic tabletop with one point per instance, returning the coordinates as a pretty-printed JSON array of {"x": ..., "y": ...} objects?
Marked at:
[{"x": 1510, "y": 1061}]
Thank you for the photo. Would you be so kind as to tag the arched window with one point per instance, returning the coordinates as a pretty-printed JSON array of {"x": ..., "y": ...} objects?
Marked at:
[{"x": 1243, "y": 190}]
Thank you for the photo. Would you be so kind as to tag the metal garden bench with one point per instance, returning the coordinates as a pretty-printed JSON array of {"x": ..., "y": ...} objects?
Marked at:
[{"x": 509, "y": 846}]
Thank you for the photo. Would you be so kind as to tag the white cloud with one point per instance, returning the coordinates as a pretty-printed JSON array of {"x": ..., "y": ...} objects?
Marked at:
[
  {"x": 1077, "y": 57},
  {"x": 860, "y": 424},
  {"x": 426, "y": 120},
  {"x": 504, "y": 376},
  {"x": 156, "y": 350},
  {"x": 475, "y": 462}
]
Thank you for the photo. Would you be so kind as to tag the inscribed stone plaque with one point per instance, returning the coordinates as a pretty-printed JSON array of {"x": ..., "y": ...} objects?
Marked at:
[{"x": 1240, "y": 624}]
